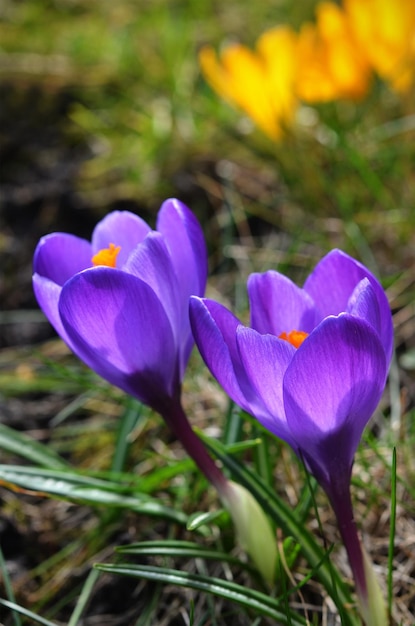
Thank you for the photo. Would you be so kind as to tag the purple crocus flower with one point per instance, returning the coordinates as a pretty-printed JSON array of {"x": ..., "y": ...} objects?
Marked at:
[
  {"x": 311, "y": 368},
  {"x": 121, "y": 303}
]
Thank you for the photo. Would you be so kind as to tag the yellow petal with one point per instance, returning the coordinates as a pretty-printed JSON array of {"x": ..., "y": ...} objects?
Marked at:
[
  {"x": 278, "y": 49},
  {"x": 385, "y": 30},
  {"x": 331, "y": 65},
  {"x": 260, "y": 82}
]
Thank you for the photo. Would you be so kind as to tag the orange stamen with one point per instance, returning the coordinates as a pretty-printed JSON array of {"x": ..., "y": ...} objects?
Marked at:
[
  {"x": 294, "y": 337},
  {"x": 107, "y": 256}
]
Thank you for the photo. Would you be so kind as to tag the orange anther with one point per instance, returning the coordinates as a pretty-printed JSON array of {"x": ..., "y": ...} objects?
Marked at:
[
  {"x": 107, "y": 256},
  {"x": 294, "y": 337}
]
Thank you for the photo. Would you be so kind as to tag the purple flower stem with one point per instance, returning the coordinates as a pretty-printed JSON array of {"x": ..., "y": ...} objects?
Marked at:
[
  {"x": 341, "y": 502},
  {"x": 177, "y": 420}
]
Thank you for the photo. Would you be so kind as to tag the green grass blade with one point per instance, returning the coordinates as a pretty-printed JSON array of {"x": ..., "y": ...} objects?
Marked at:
[
  {"x": 8, "y": 587},
  {"x": 84, "y": 597},
  {"x": 147, "y": 614},
  {"x": 392, "y": 533},
  {"x": 20, "y": 444},
  {"x": 70, "y": 408},
  {"x": 233, "y": 425},
  {"x": 154, "y": 480},
  {"x": 253, "y": 600},
  {"x": 128, "y": 421},
  {"x": 83, "y": 489},
  {"x": 181, "y": 549},
  {"x": 186, "y": 549},
  {"x": 22, "y": 611},
  {"x": 198, "y": 519},
  {"x": 262, "y": 458}
]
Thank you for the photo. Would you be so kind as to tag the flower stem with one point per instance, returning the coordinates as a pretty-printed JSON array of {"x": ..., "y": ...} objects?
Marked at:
[
  {"x": 342, "y": 505},
  {"x": 177, "y": 420},
  {"x": 254, "y": 531},
  {"x": 370, "y": 598}
]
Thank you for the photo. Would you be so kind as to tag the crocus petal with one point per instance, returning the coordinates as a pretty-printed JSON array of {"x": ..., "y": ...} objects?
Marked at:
[
  {"x": 59, "y": 256},
  {"x": 122, "y": 228},
  {"x": 333, "y": 281},
  {"x": 363, "y": 303},
  {"x": 187, "y": 248},
  {"x": 186, "y": 244},
  {"x": 331, "y": 388},
  {"x": 47, "y": 294},
  {"x": 214, "y": 330},
  {"x": 119, "y": 328},
  {"x": 278, "y": 305},
  {"x": 265, "y": 359},
  {"x": 150, "y": 261}
]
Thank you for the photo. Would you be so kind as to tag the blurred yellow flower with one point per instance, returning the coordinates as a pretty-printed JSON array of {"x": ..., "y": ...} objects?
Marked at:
[
  {"x": 385, "y": 31},
  {"x": 333, "y": 58},
  {"x": 330, "y": 65},
  {"x": 260, "y": 82}
]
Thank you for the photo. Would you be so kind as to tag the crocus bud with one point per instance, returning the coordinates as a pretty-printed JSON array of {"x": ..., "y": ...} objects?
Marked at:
[
  {"x": 253, "y": 529},
  {"x": 371, "y": 603}
]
